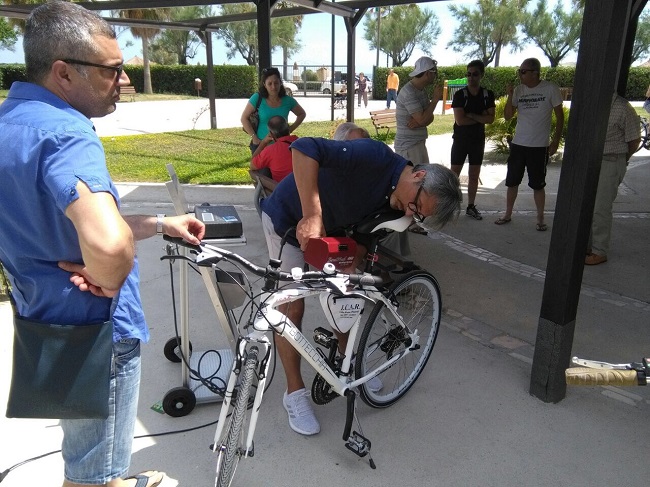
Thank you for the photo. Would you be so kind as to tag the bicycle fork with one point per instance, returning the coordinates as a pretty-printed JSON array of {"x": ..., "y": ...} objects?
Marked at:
[{"x": 264, "y": 344}]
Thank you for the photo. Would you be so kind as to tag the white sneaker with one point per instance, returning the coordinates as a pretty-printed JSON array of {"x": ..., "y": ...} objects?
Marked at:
[
  {"x": 375, "y": 384},
  {"x": 301, "y": 415}
]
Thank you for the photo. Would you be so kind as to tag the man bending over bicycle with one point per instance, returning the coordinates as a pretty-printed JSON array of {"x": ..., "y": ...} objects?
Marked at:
[{"x": 336, "y": 184}]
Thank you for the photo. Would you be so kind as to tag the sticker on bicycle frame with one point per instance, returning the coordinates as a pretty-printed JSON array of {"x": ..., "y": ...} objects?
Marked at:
[{"x": 342, "y": 312}]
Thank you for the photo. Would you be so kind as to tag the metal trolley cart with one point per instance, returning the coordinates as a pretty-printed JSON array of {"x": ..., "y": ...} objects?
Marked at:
[{"x": 225, "y": 295}]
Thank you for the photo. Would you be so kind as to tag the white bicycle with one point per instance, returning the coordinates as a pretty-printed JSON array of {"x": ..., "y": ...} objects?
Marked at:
[{"x": 394, "y": 344}]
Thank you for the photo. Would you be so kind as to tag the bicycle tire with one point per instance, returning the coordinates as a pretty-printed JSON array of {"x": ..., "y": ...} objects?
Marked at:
[
  {"x": 418, "y": 295},
  {"x": 229, "y": 448},
  {"x": 645, "y": 138}
]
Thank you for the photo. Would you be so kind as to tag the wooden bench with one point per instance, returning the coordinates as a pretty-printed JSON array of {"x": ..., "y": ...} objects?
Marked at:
[
  {"x": 384, "y": 119},
  {"x": 128, "y": 90}
]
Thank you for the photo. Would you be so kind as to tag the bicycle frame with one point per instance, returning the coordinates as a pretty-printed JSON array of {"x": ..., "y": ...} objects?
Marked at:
[{"x": 268, "y": 319}]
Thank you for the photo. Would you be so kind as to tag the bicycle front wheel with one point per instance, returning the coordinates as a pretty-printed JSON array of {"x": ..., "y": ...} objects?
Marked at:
[
  {"x": 229, "y": 448},
  {"x": 419, "y": 305}
]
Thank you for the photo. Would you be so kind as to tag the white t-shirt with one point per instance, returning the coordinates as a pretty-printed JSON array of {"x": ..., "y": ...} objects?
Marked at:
[{"x": 534, "y": 109}]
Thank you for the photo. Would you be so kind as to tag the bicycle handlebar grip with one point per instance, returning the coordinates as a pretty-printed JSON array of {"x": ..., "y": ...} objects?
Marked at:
[
  {"x": 584, "y": 376},
  {"x": 366, "y": 280},
  {"x": 181, "y": 242}
]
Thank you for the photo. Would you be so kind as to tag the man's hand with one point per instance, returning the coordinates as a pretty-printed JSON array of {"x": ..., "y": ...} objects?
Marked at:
[
  {"x": 309, "y": 227},
  {"x": 84, "y": 281},
  {"x": 437, "y": 93},
  {"x": 552, "y": 148},
  {"x": 412, "y": 123},
  {"x": 185, "y": 226}
]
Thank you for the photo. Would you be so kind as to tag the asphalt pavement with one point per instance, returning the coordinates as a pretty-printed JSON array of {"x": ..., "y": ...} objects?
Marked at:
[{"x": 469, "y": 420}]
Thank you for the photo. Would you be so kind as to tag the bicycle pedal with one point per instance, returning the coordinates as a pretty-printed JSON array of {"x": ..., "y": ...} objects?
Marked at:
[{"x": 358, "y": 444}]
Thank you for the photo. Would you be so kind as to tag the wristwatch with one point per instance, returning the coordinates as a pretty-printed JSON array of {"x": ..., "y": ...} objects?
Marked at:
[{"x": 159, "y": 223}]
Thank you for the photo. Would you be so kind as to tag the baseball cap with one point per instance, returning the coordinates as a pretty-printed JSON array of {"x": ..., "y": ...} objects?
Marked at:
[{"x": 423, "y": 64}]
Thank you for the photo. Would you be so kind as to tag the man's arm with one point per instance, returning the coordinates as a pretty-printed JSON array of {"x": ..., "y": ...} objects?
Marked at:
[
  {"x": 305, "y": 170},
  {"x": 632, "y": 146},
  {"x": 105, "y": 239},
  {"x": 425, "y": 117},
  {"x": 486, "y": 117},
  {"x": 509, "y": 110},
  {"x": 185, "y": 226},
  {"x": 559, "y": 126}
]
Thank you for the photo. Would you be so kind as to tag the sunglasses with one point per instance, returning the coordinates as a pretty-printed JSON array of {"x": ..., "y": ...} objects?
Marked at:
[
  {"x": 119, "y": 69},
  {"x": 524, "y": 71},
  {"x": 473, "y": 74},
  {"x": 270, "y": 71}
]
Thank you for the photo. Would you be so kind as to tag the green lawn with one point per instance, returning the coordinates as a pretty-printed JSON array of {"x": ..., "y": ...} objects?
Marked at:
[{"x": 208, "y": 156}]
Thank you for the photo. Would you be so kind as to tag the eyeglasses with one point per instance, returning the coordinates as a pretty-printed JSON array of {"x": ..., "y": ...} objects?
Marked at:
[
  {"x": 413, "y": 206},
  {"x": 119, "y": 69},
  {"x": 473, "y": 74},
  {"x": 524, "y": 71}
]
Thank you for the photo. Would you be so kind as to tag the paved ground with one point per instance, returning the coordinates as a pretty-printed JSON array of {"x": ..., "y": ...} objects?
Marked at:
[{"x": 470, "y": 420}]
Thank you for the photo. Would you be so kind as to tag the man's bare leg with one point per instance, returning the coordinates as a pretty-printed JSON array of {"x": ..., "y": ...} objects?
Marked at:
[
  {"x": 289, "y": 357},
  {"x": 540, "y": 198}
]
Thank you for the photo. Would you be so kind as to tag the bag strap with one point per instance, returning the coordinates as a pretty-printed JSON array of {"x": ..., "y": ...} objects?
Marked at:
[{"x": 259, "y": 101}]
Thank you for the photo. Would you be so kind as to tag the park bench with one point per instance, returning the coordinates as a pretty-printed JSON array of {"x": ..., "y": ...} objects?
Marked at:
[
  {"x": 128, "y": 90},
  {"x": 384, "y": 119}
]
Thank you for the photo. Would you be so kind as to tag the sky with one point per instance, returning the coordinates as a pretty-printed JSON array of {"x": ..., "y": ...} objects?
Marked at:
[{"x": 315, "y": 37}]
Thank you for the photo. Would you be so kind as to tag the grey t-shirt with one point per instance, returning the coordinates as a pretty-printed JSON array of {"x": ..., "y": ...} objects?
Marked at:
[{"x": 410, "y": 100}]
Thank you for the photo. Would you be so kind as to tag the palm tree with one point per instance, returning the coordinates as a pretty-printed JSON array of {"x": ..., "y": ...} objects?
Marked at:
[{"x": 146, "y": 34}]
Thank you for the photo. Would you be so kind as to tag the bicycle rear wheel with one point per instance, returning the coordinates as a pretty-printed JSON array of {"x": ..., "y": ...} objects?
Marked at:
[
  {"x": 229, "y": 448},
  {"x": 419, "y": 305}
]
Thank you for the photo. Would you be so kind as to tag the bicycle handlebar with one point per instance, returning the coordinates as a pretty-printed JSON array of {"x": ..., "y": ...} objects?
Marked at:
[
  {"x": 584, "y": 376},
  {"x": 212, "y": 255}
]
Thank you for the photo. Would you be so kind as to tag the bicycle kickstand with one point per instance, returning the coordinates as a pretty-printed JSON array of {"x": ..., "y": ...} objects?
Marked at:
[{"x": 355, "y": 441}]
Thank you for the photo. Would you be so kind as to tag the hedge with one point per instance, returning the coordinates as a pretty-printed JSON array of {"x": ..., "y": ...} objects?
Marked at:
[
  {"x": 496, "y": 79},
  {"x": 230, "y": 81},
  {"x": 241, "y": 81}
]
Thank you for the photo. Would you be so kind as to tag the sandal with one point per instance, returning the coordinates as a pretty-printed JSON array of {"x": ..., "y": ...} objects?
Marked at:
[
  {"x": 541, "y": 227},
  {"x": 502, "y": 221},
  {"x": 143, "y": 479}
]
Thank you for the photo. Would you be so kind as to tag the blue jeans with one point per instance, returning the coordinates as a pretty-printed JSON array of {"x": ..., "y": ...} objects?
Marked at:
[
  {"x": 96, "y": 451},
  {"x": 391, "y": 95}
]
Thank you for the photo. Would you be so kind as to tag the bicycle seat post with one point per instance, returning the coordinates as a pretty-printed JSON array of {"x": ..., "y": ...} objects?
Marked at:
[{"x": 372, "y": 255}]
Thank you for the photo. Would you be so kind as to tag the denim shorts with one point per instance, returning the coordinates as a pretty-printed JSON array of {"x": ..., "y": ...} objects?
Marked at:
[{"x": 96, "y": 451}]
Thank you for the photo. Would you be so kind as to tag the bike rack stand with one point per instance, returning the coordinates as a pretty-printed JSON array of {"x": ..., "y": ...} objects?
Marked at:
[{"x": 180, "y": 401}]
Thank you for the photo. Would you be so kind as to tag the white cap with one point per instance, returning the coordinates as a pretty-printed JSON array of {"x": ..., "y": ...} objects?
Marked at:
[{"x": 423, "y": 64}]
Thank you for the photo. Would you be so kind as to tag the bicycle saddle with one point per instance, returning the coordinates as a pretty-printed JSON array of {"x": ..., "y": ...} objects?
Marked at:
[{"x": 389, "y": 220}]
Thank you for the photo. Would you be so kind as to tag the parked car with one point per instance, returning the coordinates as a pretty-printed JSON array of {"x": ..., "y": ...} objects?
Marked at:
[
  {"x": 326, "y": 86},
  {"x": 290, "y": 88}
]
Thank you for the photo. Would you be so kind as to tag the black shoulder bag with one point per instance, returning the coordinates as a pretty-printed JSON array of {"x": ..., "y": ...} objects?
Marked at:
[{"x": 60, "y": 371}]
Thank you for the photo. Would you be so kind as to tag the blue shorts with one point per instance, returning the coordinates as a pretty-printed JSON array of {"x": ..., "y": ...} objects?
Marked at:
[
  {"x": 533, "y": 160},
  {"x": 96, "y": 451}
]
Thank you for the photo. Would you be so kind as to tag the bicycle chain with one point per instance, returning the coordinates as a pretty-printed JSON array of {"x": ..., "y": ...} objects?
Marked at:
[{"x": 321, "y": 391}]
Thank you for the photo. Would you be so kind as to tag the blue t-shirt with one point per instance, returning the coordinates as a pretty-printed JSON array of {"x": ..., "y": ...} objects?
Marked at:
[
  {"x": 266, "y": 112},
  {"x": 47, "y": 147},
  {"x": 355, "y": 179}
]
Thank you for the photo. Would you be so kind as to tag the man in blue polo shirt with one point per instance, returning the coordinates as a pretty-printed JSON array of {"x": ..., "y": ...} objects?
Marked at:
[
  {"x": 68, "y": 252},
  {"x": 336, "y": 184}
]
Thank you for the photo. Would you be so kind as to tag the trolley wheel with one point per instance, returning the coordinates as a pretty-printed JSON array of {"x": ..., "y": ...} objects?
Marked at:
[
  {"x": 172, "y": 349},
  {"x": 179, "y": 401}
]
